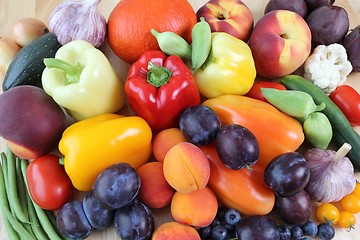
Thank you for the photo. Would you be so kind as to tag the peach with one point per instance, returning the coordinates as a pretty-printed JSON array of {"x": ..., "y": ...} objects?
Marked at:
[
  {"x": 197, "y": 208},
  {"x": 165, "y": 140},
  {"x": 280, "y": 43},
  {"x": 175, "y": 231},
  {"x": 155, "y": 191},
  {"x": 186, "y": 168},
  {"x": 230, "y": 16}
]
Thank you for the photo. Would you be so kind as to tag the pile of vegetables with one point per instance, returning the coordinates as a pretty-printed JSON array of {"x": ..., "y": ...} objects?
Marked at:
[{"x": 83, "y": 129}]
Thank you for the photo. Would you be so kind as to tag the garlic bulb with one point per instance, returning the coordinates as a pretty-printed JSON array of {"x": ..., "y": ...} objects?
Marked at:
[
  {"x": 78, "y": 20},
  {"x": 331, "y": 174}
]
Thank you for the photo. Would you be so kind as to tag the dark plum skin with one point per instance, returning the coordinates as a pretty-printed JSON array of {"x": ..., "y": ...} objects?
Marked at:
[
  {"x": 287, "y": 174},
  {"x": 98, "y": 217},
  {"x": 199, "y": 124},
  {"x": 328, "y": 24},
  {"x": 134, "y": 221},
  {"x": 294, "y": 210},
  {"x": 257, "y": 227},
  {"x": 237, "y": 146},
  {"x": 71, "y": 221},
  {"x": 313, "y": 4},
  {"x": 351, "y": 43},
  {"x": 297, "y": 6},
  {"x": 116, "y": 186}
]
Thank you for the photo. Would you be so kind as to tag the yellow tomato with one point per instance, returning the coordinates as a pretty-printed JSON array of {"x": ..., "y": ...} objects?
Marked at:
[
  {"x": 351, "y": 203},
  {"x": 346, "y": 220},
  {"x": 327, "y": 212}
]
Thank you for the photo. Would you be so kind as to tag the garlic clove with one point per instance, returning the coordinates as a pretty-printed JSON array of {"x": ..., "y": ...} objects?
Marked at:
[{"x": 78, "y": 20}]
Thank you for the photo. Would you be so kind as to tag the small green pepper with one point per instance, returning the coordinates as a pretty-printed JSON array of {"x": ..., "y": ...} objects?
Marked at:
[
  {"x": 317, "y": 129},
  {"x": 294, "y": 103}
]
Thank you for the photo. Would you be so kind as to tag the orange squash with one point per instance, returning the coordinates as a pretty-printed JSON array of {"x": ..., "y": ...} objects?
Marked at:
[
  {"x": 275, "y": 131},
  {"x": 243, "y": 190},
  {"x": 131, "y": 21}
]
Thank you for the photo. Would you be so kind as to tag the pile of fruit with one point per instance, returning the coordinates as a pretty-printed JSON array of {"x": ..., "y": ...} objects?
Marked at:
[{"x": 228, "y": 124}]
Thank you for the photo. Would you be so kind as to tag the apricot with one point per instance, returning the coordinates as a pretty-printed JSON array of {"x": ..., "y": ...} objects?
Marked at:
[
  {"x": 186, "y": 168},
  {"x": 165, "y": 140},
  {"x": 155, "y": 191},
  {"x": 197, "y": 208},
  {"x": 175, "y": 231}
]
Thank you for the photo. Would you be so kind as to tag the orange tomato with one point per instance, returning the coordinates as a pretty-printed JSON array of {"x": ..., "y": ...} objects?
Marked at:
[
  {"x": 327, "y": 212},
  {"x": 243, "y": 190},
  {"x": 346, "y": 220},
  {"x": 351, "y": 203},
  {"x": 131, "y": 21}
]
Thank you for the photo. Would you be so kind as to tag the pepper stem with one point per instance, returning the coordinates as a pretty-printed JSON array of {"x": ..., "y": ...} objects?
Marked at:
[
  {"x": 72, "y": 72},
  {"x": 341, "y": 153},
  {"x": 320, "y": 107},
  {"x": 157, "y": 75}
]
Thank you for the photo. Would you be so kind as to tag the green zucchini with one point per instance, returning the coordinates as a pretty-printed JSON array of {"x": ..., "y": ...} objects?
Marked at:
[
  {"x": 342, "y": 129},
  {"x": 27, "y": 66}
]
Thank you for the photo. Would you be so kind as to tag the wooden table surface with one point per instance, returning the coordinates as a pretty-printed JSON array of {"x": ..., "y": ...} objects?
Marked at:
[{"x": 11, "y": 10}]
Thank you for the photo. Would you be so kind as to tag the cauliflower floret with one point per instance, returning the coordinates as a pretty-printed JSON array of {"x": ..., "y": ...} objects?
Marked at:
[{"x": 327, "y": 67}]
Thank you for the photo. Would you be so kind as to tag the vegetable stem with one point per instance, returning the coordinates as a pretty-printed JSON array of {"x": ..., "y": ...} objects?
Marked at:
[
  {"x": 72, "y": 72},
  {"x": 343, "y": 150},
  {"x": 157, "y": 75}
]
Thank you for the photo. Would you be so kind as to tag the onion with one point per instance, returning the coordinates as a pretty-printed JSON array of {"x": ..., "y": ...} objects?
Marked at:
[
  {"x": 78, "y": 20},
  {"x": 8, "y": 51},
  {"x": 331, "y": 174},
  {"x": 26, "y": 30}
]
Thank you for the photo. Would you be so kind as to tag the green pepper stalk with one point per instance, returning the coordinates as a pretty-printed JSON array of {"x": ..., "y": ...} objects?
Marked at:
[{"x": 157, "y": 75}]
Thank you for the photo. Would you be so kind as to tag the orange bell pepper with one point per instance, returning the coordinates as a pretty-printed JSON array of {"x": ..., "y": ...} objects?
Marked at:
[
  {"x": 275, "y": 131},
  {"x": 243, "y": 190}
]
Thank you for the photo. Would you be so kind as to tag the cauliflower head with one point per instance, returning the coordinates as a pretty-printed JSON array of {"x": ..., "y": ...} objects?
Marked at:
[{"x": 327, "y": 67}]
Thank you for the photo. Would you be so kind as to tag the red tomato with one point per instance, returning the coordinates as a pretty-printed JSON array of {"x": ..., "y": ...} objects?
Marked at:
[
  {"x": 348, "y": 100},
  {"x": 49, "y": 185},
  {"x": 255, "y": 91}
]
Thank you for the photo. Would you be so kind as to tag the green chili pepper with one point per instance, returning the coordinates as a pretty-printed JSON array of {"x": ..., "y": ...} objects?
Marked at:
[
  {"x": 317, "y": 129},
  {"x": 294, "y": 103}
]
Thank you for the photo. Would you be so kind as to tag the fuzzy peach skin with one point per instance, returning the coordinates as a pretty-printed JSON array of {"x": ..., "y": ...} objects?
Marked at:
[
  {"x": 186, "y": 168},
  {"x": 280, "y": 43},
  {"x": 165, "y": 140},
  {"x": 197, "y": 208},
  {"x": 230, "y": 16},
  {"x": 175, "y": 231},
  {"x": 155, "y": 192}
]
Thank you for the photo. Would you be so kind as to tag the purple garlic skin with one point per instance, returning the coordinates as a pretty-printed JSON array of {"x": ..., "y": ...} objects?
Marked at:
[
  {"x": 330, "y": 179},
  {"x": 78, "y": 20}
]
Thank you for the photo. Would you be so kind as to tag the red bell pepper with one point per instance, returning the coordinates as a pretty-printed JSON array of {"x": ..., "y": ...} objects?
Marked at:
[
  {"x": 159, "y": 88},
  {"x": 348, "y": 100}
]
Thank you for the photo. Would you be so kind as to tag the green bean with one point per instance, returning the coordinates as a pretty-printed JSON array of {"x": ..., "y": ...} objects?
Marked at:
[
  {"x": 23, "y": 195},
  {"x": 18, "y": 227},
  {"x": 14, "y": 198},
  {"x": 5, "y": 172},
  {"x": 9, "y": 228},
  {"x": 36, "y": 227},
  {"x": 43, "y": 218}
]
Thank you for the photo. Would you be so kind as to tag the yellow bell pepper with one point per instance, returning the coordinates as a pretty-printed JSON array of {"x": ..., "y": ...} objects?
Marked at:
[
  {"x": 91, "y": 145},
  {"x": 229, "y": 69}
]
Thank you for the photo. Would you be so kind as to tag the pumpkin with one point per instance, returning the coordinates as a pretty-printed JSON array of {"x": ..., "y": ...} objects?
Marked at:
[{"x": 131, "y": 21}]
